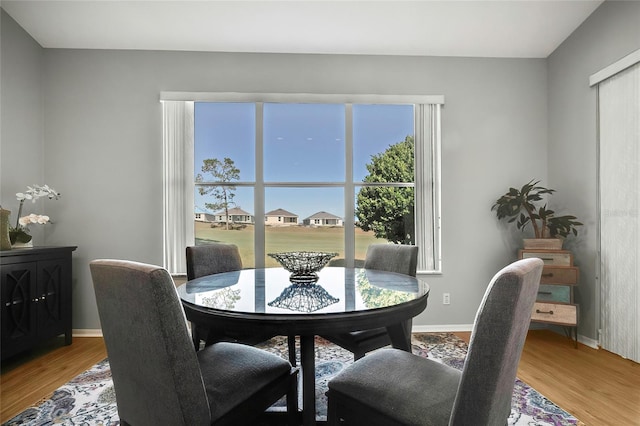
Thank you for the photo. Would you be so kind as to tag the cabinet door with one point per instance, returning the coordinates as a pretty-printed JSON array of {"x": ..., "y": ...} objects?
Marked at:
[
  {"x": 53, "y": 296},
  {"x": 19, "y": 328}
]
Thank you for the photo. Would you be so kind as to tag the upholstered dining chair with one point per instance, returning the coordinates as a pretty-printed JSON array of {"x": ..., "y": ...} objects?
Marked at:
[
  {"x": 214, "y": 258},
  {"x": 158, "y": 377},
  {"x": 217, "y": 258},
  {"x": 398, "y": 258},
  {"x": 210, "y": 259},
  {"x": 393, "y": 387}
]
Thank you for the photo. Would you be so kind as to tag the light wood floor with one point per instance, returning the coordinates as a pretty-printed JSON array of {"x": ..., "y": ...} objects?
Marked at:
[{"x": 596, "y": 386}]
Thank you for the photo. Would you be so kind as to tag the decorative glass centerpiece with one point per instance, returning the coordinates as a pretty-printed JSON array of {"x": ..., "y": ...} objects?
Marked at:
[
  {"x": 304, "y": 297},
  {"x": 303, "y": 265}
]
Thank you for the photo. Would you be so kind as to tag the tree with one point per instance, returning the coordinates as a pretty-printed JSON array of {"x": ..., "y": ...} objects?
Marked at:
[
  {"x": 221, "y": 171},
  {"x": 376, "y": 297},
  {"x": 388, "y": 211}
]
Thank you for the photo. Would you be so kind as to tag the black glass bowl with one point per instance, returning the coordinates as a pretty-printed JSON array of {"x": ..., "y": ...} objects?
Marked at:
[{"x": 303, "y": 265}]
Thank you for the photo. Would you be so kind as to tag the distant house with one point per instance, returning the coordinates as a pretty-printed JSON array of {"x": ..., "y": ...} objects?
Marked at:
[
  {"x": 236, "y": 215},
  {"x": 323, "y": 219},
  {"x": 280, "y": 217},
  {"x": 203, "y": 216}
]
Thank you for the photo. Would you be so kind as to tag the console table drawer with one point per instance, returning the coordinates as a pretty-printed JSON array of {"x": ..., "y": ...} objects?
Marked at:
[
  {"x": 549, "y": 257},
  {"x": 554, "y": 293},
  {"x": 555, "y": 313},
  {"x": 559, "y": 275}
]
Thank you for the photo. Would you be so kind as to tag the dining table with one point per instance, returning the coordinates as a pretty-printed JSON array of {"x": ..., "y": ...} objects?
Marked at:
[{"x": 264, "y": 302}]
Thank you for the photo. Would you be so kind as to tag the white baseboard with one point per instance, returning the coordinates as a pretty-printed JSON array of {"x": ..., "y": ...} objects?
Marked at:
[
  {"x": 416, "y": 329},
  {"x": 86, "y": 332},
  {"x": 468, "y": 327},
  {"x": 441, "y": 328},
  {"x": 588, "y": 341}
]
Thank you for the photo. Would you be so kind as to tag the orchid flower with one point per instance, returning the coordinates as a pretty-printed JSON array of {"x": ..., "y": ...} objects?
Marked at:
[
  {"x": 33, "y": 193},
  {"x": 37, "y": 191},
  {"x": 33, "y": 218}
]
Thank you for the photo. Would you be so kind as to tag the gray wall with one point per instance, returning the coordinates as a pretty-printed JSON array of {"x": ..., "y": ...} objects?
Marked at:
[
  {"x": 102, "y": 126},
  {"x": 21, "y": 118},
  {"x": 610, "y": 33}
]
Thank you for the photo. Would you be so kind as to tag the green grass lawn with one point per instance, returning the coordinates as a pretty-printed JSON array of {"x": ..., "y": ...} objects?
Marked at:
[{"x": 285, "y": 238}]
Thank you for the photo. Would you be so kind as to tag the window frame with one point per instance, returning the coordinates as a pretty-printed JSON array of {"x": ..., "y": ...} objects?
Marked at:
[{"x": 178, "y": 141}]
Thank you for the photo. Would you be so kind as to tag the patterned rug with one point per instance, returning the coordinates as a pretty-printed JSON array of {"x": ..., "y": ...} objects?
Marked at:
[{"x": 89, "y": 399}]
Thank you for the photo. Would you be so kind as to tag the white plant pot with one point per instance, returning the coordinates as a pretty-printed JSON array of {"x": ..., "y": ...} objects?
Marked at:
[{"x": 22, "y": 245}]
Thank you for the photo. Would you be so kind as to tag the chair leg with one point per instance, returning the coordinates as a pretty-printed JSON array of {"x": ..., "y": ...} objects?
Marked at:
[
  {"x": 291, "y": 342},
  {"x": 195, "y": 337},
  {"x": 292, "y": 402},
  {"x": 332, "y": 411}
]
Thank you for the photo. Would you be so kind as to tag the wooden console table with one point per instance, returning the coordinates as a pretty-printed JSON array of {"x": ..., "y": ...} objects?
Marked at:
[{"x": 35, "y": 297}]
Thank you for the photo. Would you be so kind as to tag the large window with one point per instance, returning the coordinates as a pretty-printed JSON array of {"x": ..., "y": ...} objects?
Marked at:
[{"x": 274, "y": 173}]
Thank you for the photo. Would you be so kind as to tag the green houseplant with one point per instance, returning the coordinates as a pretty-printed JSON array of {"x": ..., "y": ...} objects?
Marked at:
[{"x": 522, "y": 206}]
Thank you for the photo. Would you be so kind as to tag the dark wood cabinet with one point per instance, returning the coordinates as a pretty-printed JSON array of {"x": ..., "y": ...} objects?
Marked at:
[{"x": 35, "y": 297}]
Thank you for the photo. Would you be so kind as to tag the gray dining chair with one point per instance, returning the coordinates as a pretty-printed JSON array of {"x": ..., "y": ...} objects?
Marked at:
[
  {"x": 158, "y": 378},
  {"x": 214, "y": 258},
  {"x": 217, "y": 258},
  {"x": 393, "y": 387},
  {"x": 399, "y": 258}
]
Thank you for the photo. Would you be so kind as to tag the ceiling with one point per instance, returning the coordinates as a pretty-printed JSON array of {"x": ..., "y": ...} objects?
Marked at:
[{"x": 506, "y": 28}]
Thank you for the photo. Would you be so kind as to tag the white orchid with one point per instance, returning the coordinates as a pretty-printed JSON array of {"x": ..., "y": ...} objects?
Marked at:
[
  {"x": 21, "y": 230},
  {"x": 36, "y": 191},
  {"x": 33, "y": 218}
]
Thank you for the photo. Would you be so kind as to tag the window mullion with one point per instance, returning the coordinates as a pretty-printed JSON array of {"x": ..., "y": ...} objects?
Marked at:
[
  {"x": 258, "y": 193},
  {"x": 349, "y": 194}
]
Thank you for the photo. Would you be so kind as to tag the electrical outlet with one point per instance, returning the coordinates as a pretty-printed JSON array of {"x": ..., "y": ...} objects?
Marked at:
[{"x": 446, "y": 298}]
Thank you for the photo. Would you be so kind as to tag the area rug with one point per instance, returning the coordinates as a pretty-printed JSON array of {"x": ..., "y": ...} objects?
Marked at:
[{"x": 89, "y": 399}]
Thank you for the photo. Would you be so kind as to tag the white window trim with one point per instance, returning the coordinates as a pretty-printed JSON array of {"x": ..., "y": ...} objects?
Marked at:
[
  {"x": 620, "y": 65},
  {"x": 305, "y": 98},
  {"x": 178, "y": 145}
]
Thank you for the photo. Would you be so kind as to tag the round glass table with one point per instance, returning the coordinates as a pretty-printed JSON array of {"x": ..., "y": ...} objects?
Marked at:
[{"x": 263, "y": 302}]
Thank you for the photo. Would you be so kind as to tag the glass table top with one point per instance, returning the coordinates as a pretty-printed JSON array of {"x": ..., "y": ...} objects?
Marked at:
[{"x": 269, "y": 291}]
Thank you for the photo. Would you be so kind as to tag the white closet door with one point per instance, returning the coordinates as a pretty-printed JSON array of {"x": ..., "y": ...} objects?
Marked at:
[{"x": 619, "y": 121}]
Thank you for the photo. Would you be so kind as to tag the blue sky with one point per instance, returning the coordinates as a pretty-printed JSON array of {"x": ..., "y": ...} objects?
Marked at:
[{"x": 302, "y": 143}]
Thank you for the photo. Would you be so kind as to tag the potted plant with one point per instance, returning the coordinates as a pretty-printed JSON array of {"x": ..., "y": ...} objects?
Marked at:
[
  {"x": 519, "y": 205},
  {"x": 19, "y": 234}
]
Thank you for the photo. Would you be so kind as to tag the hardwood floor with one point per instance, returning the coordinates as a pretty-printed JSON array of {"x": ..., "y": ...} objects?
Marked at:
[
  {"x": 26, "y": 379},
  {"x": 596, "y": 386}
]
